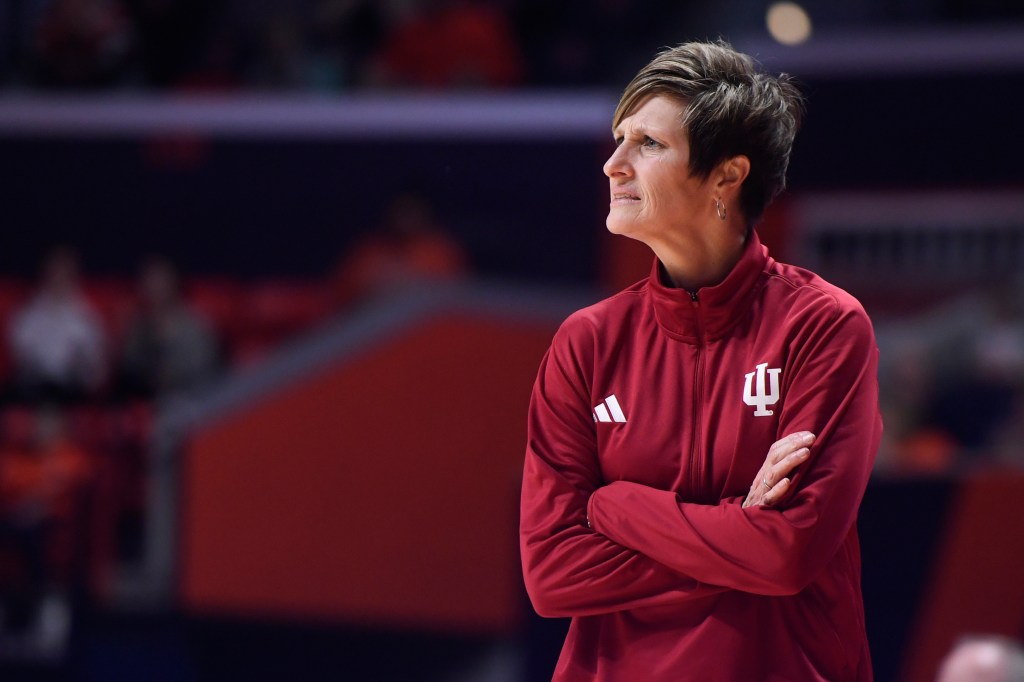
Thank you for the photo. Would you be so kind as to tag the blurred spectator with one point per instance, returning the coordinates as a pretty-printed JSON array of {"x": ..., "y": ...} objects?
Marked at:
[
  {"x": 220, "y": 64},
  {"x": 905, "y": 382},
  {"x": 43, "y": 482},
  {"x": 173, "y": 37},
  {"x": 56, "y": 340},
  {"x": 568, "y": 41},
  {"x": 450, "y": 43},
  {"x": 167, "y": 346},
  {"x": 983, "y": 659},
  {"x": 344, "y": 34},
  {"x": 324, "y": 50},
  {"x": 82, "y": 43},
  {"x": 285, "y": 60},
  {"x": 327, "y": 44},
  {"x": 952, "y": 383},
  {"x": 981, "y": 389},
  {"x": 411, "y": 247}
]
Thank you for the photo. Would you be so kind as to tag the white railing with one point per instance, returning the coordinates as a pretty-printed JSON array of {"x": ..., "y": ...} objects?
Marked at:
[
  {"x": 917, "y": 239},
  {"x": 563, "y": 115}
]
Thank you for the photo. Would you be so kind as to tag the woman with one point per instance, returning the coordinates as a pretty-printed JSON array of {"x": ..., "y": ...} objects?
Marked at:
[{"x": 699, "y": 443}]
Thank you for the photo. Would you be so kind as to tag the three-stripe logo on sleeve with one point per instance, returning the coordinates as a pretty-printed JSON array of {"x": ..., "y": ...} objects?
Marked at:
[{"x": 609, "y": 411}]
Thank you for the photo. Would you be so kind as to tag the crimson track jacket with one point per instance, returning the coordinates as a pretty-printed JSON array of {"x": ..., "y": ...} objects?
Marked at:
[{"x": 652, "y": 412}]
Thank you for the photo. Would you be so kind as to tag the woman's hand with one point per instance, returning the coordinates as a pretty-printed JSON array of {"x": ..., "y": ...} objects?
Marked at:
[{"x": 772, "y": 483}]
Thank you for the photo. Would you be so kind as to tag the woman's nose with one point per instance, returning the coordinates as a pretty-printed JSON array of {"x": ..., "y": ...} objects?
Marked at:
[{"x": 616, "y": 163}]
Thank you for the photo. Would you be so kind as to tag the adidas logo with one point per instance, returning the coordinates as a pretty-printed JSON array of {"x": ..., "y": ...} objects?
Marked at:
[{"x": 609, "y": 411}]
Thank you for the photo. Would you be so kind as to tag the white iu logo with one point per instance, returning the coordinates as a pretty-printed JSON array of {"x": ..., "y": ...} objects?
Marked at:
[{"x": 765, "y": 396}]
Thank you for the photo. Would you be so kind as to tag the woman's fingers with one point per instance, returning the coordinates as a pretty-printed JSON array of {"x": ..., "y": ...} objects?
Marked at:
[
  {"x": 785, "y": 446},
  {"x": 774, "y": 480},
  {"x": 776, "y": 493},
  {"x": 786, "y": 466}
]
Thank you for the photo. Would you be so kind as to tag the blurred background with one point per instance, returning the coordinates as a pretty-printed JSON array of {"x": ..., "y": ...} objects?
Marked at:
[{"x": 276, "y": 276}]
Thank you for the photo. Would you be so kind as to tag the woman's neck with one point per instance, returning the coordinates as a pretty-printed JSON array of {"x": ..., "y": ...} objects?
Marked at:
[{"x": 694, "y": 264}]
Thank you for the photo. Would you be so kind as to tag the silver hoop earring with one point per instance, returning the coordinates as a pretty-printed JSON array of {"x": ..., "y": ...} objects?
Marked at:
[{"x": 721, "y": 209}]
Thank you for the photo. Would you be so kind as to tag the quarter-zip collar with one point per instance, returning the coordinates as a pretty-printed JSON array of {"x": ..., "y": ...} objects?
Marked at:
[{"x": 717, "y": 308}]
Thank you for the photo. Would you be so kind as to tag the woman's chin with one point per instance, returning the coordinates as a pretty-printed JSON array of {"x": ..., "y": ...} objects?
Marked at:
[
  {"x": 625, "y": 228},
  {"x": 616, "y": 225}
]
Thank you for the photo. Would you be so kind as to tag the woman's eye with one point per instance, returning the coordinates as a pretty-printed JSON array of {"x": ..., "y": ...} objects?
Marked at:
[{"x": 650, "y": 143}]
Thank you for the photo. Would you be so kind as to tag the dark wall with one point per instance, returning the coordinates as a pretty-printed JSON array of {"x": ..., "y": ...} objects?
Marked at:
[
  {"x": 527, "y": 208},
  {"x": 266, "y": 207},
  {"x": 908, "y": 133}
]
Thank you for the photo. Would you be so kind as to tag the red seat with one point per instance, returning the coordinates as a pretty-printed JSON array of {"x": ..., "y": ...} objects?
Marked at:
[
  {"x": 13, "y": 294},
  {"x": 113, "y": 299},
  {"x": 218, "y": 300},
  {"x": 274, "y": 310}
]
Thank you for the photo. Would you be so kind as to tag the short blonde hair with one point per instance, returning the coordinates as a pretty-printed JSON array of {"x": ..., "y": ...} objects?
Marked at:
[{"x": 731, "y": 108}]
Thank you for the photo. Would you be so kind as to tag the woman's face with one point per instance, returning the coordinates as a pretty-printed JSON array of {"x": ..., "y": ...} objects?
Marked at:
[{"x": 653, "y": 193}]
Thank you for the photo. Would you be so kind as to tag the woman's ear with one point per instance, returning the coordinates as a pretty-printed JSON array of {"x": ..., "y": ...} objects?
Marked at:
[{"x": 730, "y": 174}]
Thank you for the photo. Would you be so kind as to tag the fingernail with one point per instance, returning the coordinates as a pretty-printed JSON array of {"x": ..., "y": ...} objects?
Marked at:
[{"x": 808, "y": 437}]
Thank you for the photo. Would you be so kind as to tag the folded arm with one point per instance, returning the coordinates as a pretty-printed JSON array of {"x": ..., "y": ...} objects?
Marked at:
[
  {"x": 569, "y": 569},
  {"x": 833, "y": 394}
]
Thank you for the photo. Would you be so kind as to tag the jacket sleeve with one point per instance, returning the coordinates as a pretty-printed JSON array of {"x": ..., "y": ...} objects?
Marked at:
[
  {"x": 833, "y": 394},
  {"x": 569, "y": 569}
]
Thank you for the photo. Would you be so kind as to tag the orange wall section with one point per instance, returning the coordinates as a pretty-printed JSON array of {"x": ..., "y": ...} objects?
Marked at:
[
  {"x": 383, "y": 489},
  {"x": 976, "y": 585}
]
